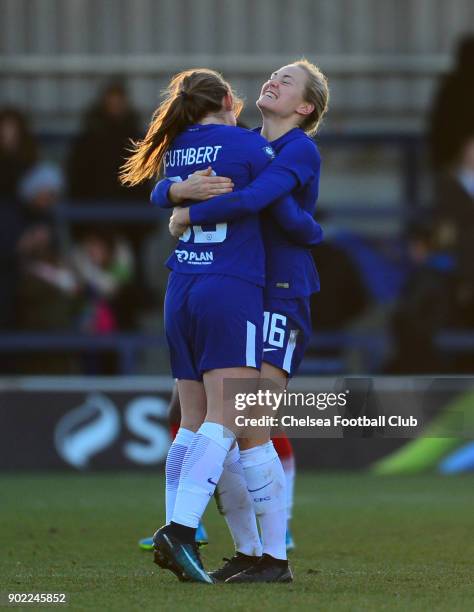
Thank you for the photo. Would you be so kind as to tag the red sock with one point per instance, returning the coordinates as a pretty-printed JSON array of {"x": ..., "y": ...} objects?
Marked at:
[
  {"x": 283, "y": 446},
  {"x": 174, "y": 430}
]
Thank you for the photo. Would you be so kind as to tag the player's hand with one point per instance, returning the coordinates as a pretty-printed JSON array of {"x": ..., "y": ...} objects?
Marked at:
[
  {"x": 201, "y": 185},
  {"x": 179, "y": 222}
]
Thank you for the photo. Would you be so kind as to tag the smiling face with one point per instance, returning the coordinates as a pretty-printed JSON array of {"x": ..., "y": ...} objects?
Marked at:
[{"x": 283, "y": 94}]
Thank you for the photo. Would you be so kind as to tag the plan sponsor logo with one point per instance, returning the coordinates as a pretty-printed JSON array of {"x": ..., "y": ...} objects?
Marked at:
[{"x": 194, "y": 258}]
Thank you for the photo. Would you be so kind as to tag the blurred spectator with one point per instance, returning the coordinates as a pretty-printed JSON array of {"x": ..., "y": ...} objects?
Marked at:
[
  {"x": 105, "y": 266},
  {"x": 10, "y": 230},
  {"x": 95, "y": 159},
  {"x": 342, "y": 299},
  {"x": 39, "y": 191},
  {"x": 47, "y": 298},
  {"x": 454, "y": 215},
  {"x": 101, "y": 147},
  {"x": 428, "y": 304},
  {"x": 452, "y": 152},
  {"x": 18, "y": 151},
  {"x": 343, "y": 296},
  {"x": 37, "y": 249},
  {"x": 47, "y": 288},
  {"x": 17, "y": 154},
  {"x": 451, "y": 121}
]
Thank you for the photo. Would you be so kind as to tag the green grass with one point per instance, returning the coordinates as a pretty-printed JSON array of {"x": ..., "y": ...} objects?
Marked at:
[{"x": 363, "y": 543}]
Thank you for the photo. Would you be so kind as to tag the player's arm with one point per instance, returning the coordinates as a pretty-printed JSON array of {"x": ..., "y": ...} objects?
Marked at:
[
  {"x": 297, "y": 223},
  {"x": 160, "y": 196},
  {"x": 272, "y": 184},
  {"x": 200, "y": 185},
  {"x": 293, "y": 167}
]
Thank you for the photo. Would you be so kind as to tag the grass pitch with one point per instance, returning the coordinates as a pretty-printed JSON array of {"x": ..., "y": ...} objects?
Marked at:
[{"x": 363, "y": 543}]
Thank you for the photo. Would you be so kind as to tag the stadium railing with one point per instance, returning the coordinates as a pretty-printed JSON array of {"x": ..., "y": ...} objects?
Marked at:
[{"x": 372, "y": 347}]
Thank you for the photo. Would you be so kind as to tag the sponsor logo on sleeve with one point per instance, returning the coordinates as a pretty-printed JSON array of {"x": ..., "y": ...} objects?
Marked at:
[{"x": 269, "y": 151}]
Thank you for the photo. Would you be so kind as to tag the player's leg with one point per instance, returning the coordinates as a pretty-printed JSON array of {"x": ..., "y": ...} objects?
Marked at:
[
  {"x": 203, "y": 464},
  {"x": 284, "y": 448},
  {"x": 232, "y": 496},
  {"x": 168, "y": 548},
  {"x": 174, "y": 419},
  {"x": 234, "y": 500},
  {"x": 179, "y": 332},
  {"x": 189, "y": 395},
  {"x": 174, "y": 412},
  {"x": 202, "y": 467},
  {"x": 235, "y": 504},
  {"x": 286, "y": 333},
  {"x": 193, "y": 401},
  {"x": 266, "y": 482},
  {"x": 192, "y": 395},
  {"x": 227, "y": 341}
]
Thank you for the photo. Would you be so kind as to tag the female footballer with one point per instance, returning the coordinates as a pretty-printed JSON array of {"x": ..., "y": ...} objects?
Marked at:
[
  {"x": 290, "y": 275},
  {"x": 215, "y": 292}
]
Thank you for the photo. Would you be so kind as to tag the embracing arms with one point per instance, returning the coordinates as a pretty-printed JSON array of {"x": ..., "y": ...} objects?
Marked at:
[{"x": 271, "y": 188}]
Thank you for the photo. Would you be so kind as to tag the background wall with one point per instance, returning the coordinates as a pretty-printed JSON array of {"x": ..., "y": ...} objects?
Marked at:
[{"x": 382, "y": 56}]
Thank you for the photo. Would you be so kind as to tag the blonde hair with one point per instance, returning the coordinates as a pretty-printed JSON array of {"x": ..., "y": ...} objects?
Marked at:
[
  {"x": 316, "y": 93},
  {"x": 189, "y": 97}
]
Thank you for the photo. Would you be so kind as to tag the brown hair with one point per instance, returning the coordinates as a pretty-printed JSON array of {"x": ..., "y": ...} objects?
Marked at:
[
  {"x": 190, "y": 96},
  {"x": 316, "y": 92}
]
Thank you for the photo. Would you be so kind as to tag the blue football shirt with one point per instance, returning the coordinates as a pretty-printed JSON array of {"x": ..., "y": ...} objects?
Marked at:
[
  {"x": 232, "y": 247},
  {"x": 290, "y": 268}
]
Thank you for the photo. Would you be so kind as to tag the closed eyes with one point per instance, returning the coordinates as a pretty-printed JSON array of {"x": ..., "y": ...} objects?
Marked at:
[{"x": 286, "y": 79}]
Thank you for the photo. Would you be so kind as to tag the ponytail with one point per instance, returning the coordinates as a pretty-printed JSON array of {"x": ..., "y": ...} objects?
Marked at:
[{"x": 190, "y": 96}]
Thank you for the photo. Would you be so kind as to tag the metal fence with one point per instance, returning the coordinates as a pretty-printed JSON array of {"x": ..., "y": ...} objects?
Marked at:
[{"x": 370, "y": 347}]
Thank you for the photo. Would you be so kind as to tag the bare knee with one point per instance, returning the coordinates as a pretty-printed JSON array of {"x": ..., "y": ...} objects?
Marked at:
[
  {"x": 192, "y": 398},
  {"x": 221, "y": 400}
]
